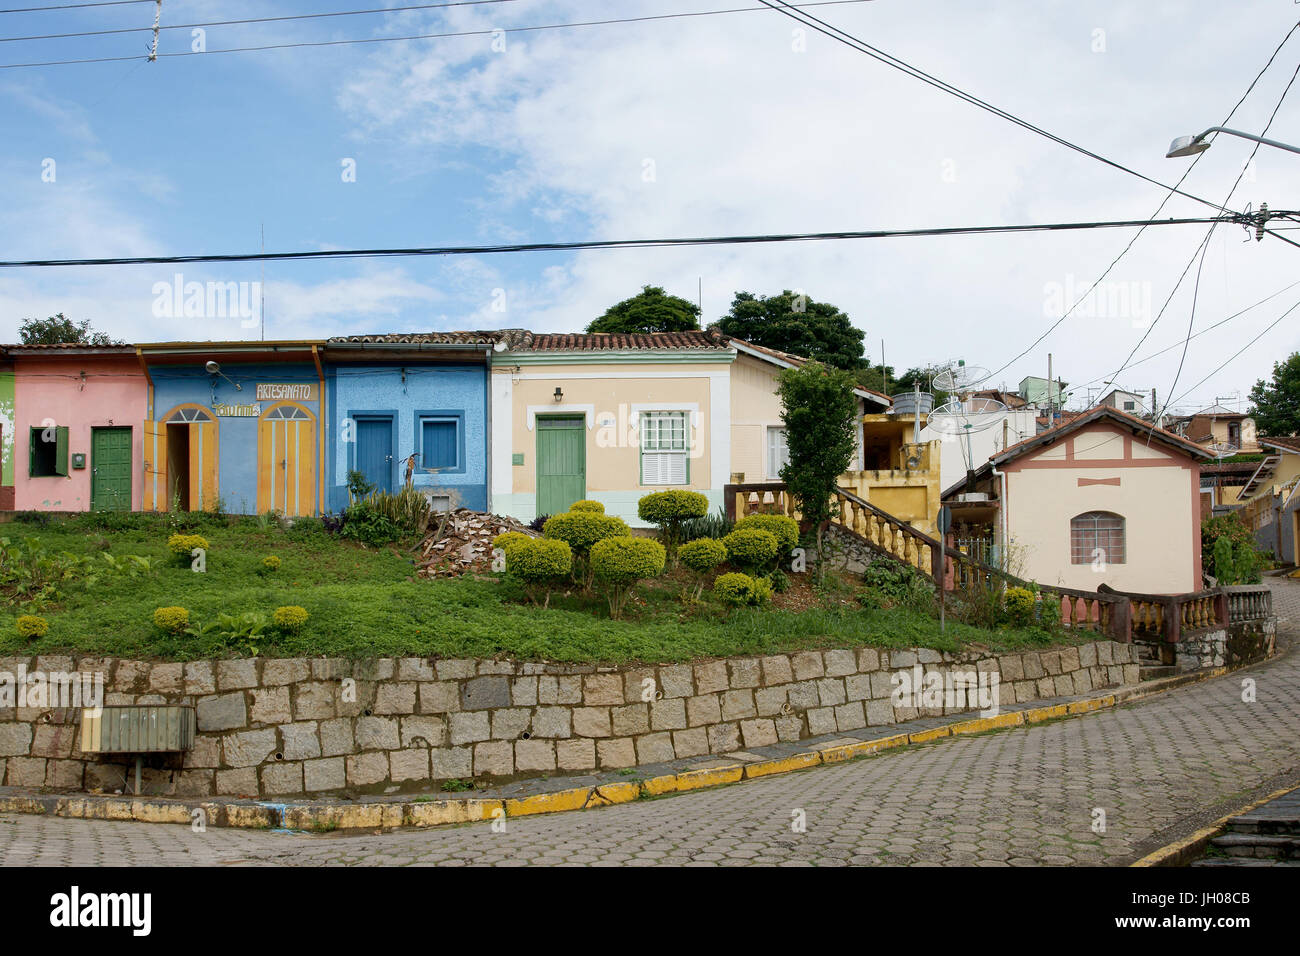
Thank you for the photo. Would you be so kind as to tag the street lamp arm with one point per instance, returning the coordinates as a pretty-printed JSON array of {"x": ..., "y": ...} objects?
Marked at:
[{"x": 1250, "y": 136}]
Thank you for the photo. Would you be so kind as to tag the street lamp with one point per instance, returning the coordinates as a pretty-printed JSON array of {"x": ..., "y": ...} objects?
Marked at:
[{"x": 1191, "y": 145}]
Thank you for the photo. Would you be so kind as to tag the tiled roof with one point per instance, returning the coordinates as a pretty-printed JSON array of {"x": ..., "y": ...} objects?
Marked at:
[
  {"x": 419, "y": 338},
  {"x": 1096, "y": 414},
  {"x": 522, "y": 340},
  {"x": 1291, "y": 444},
  {"x": 67, "y": 346}
]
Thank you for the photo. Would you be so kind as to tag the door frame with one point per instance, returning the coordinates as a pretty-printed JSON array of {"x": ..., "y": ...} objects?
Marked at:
[
  {"x": 312, "y": 421},
  {"x": 537, "y": 453},
  {"x": 130, "y": 461},
  {"x": 382, "y": 414}
]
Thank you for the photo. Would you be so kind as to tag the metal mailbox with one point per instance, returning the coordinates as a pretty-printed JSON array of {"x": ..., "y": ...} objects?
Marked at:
[{"x": 136, "y": 730}]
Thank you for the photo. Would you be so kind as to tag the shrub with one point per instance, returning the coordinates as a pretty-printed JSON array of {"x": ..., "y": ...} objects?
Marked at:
[
  {"x": 618, "y": 563},
  {"x": 669, "y": 510},
  {"x": 595, "y": 507},
  {"x": 703, "y": 555},
  {"x": 708, "y": 526},
  {"x": 508, "y": 538},
  {"x": 183, "y": 545},
  {"x": 1213, "y": 529},
  {"x": 1237, "y": 562},
  {"x": 897, "y": 583},
  {"x": 785, "y": 530},
  {"x": 538, "y": 523},
  {"x": 540, "y": 564},
  {"x": 581, "y": 530},
  {"x": 271, "y": 563},
  {"x": 362, "y": 522},
  {"x": 173, "y": 620},
  {"x": 751, "y": 548},
  {"x": 31, "y": 627},
  {"x": 290, "y": 618},
  {"x": 1019, "y": 605},
  {"x": 739, "y": 589}
]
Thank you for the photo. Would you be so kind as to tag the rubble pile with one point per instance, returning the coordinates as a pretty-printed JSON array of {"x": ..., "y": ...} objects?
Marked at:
[{"x": 460, "y": 542}]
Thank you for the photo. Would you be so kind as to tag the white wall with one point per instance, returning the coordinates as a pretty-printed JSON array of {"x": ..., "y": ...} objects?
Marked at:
[{"x": 1016, "y": 426}]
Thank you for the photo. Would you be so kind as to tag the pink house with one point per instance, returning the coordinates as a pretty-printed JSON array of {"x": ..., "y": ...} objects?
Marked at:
[{"x": 78, "y": 416}]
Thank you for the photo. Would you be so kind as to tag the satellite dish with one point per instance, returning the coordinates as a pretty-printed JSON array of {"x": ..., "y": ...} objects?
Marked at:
[
  {"x": 1222, "y": 449},
  {"x": 960, "y": 377},
  {"x": 967, "y": 416}
]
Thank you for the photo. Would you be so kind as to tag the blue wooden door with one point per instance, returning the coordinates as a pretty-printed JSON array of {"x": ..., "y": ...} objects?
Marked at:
[{"x": 375, "y": 451}]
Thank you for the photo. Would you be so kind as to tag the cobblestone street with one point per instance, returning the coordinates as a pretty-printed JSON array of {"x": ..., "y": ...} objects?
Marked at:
[{"x": 1019, "y": 797}]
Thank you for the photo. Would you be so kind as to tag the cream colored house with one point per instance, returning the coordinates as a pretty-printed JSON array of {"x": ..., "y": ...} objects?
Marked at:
[
  {"x": 1104, "y": 498},
  {"x": 615, "y": 417}
]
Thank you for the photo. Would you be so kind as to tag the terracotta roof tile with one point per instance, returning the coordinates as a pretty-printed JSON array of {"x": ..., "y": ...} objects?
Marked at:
[
  {"x": 1291, "y": 443},
  {"x": 419, "y": 338},
  {"x": 613, "y": 342}
]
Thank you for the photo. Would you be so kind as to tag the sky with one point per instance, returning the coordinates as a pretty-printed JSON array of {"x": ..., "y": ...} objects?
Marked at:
[{"x": 723, "y": 124}]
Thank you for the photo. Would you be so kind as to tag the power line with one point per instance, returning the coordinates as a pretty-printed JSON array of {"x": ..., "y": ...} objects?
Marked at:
[
  {"x": 1171, "y": 347},
  {"x": 1272, "y": 325},
  {"x": 1123, "y": 252},
  {"x": 75, "y": 6},
  {"x": 301, "y": 16},
  {"x": 419, "y": 36},
  {"x": 848, "y": 39},
  {"x": 608, "y": 244}
]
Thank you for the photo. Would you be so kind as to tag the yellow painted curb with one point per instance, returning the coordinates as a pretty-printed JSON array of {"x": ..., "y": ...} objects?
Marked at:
[
  {"x": 980, "y": 725},
  {"x": 1175, "y": 852},
  {"x": 782, "y": 765},
  {"x": 709, "y": 777},
  {"x": 658, "y": 786}
]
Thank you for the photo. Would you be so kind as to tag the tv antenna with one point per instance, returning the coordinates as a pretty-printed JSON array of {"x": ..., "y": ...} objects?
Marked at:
[
  {"x": 966, "y": 415},
  {"x": 1222, "y": 449}
]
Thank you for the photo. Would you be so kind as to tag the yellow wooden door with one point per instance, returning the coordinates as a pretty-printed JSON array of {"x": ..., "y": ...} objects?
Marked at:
[
  {"x": 203, "y": 466},
  {"x": 155, "y": 467},
  {"x": 286, "y": 477}
]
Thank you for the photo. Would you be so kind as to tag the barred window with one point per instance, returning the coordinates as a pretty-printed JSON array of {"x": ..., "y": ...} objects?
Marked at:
[{"x": 1097, "y": 536}]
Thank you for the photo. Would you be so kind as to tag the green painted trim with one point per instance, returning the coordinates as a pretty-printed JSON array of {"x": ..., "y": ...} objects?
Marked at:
[{"x": 647, "y": 357}]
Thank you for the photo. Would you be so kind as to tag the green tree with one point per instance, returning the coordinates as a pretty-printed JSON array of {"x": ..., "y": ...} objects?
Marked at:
[
  {"x": 650, "y": 310},
  {"x": 820, "y": 413},
  {"x": 794, "y": 323},
  {"x": 923, "y": 377},
  {"x": 60, "y": 330},
  {"x": 877, "y": 378},
  {"x": 1275, "y": 405}
]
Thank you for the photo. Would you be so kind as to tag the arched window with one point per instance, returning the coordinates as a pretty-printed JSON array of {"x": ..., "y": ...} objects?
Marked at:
[
  {"x": 1097, "y": 536},
  {"x": 289, "y": 413},
  {"x": 186, "y": 414}
]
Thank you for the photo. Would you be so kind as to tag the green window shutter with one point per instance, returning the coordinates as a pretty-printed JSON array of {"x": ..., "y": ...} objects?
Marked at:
[{"x": 61, "y": 450}]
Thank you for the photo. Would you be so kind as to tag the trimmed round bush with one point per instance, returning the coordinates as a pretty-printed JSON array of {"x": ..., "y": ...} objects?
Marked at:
[
  {"x": 290, "y": 617},
  {"x": 508, "y": 539},
  {"x": 618, "y": 563},
  {"x": 751, "y": 548},
  {"x": 784, "y": 529},
  {"x": 581, "y": 529},
  {"x": 594, "y": 507},
  {"x": 625, "y": 560},
  {"x": 703, "y": 554},
  {"x": 539, "y": 563},
  {"x": 31, "y": 627},
  {"x": 183, "y": 545},
  {"x": 739, "y": 589},
  {"x": 173, "y": 619},
  {"x": 665, "y": 507}
]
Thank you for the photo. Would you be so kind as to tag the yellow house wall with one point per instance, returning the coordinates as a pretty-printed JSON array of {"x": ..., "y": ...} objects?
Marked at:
[
  {"x": 1158, "y": 496},
  {"x": 610, "y": 397},
  {"x": 755, "y": 407}
]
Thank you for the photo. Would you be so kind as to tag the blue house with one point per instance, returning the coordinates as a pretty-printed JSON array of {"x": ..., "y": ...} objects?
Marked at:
[
  {"x": 409, "y": 405},
  {"x": 233, "y": 424}
]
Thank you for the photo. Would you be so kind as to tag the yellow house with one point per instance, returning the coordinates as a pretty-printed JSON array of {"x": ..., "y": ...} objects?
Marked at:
[
  {"x": 614, "y": 417},
  {"x": 1271, "y": 499}
]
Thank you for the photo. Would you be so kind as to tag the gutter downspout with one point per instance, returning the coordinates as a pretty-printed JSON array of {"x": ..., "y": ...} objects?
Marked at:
[
  {"x": 1002, "y": 510},
  {"x": 323, "y": 409}
]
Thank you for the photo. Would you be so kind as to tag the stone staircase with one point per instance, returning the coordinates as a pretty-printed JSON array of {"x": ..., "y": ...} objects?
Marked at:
[
  {"x": 1154, "y": 660},
  {"x": 1266, "y": 836}
]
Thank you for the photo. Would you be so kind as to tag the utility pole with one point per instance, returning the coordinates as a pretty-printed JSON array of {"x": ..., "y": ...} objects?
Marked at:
[{"x": 1049, "y": 389}]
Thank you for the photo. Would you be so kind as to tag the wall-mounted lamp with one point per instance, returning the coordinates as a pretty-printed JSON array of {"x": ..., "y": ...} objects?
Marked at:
[
  {"x": 214, "y": 369},
  {"x": 559, "y": 394}
]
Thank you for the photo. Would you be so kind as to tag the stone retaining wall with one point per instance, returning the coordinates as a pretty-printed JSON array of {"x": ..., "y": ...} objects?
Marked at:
[
  {"x": 1230, "y": 646},
  {"x": 291, "y": 726}
]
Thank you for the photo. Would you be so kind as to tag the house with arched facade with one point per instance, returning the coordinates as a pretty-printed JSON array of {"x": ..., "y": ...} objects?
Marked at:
[{"x": 1102, "y": 499}]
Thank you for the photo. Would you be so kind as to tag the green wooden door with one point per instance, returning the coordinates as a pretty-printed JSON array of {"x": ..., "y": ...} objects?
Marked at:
[
  {"x": 561, "y": 463},
  {"x": 110, "y": 469}
]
